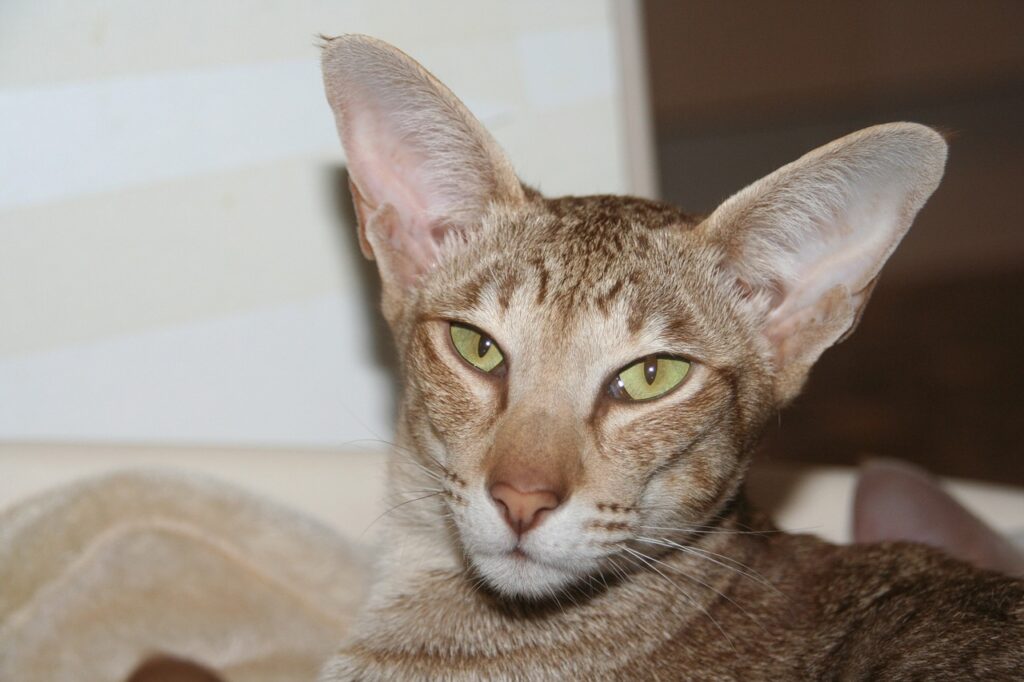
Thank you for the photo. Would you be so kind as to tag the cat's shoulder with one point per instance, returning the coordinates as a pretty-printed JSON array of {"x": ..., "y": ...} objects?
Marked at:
[
  {"x": 870, "y": 575},
  {"x": 902, "y": 610}
]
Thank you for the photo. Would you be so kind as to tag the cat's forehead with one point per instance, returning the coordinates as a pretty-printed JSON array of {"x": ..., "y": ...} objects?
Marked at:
[
  {"x": 610, "y": 267},
  {"x": 600, "y": 227},
  {"x": 581, "y": 249}
]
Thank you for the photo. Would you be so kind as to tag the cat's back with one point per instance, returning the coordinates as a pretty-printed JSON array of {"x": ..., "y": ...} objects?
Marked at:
[
  {"x": 906, "y": 611},
  {"x": 894, "y": 611}
]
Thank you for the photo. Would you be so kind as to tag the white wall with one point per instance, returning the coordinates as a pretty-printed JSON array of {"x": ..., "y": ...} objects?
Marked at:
[{"x": 174, "y": 266}]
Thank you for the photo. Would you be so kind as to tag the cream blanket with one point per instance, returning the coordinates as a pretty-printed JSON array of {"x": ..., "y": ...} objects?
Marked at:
[{"x": 100, "y": 575}]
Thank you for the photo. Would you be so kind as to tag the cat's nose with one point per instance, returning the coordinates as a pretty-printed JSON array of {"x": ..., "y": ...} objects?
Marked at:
[{"x": 523, "y": 511}]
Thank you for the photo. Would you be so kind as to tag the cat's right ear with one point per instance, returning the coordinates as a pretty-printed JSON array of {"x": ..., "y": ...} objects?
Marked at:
[{"x": 420, "y": 164}]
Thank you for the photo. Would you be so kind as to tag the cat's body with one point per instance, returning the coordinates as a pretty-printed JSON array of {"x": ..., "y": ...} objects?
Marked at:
[{"x": 586, "y": 379}]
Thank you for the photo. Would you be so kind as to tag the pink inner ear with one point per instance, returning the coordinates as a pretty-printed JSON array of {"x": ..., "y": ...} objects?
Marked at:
[
  {"x": 404, "y": 253},
  {"x": 401, "y": 197},
  {"x": 895, "y": 501}
]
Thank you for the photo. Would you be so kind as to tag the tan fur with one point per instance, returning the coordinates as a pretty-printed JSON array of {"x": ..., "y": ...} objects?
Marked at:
[{"x": 653, "y": 567}]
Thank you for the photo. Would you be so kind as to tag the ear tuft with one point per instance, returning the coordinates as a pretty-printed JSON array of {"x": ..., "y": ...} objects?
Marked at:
[{"x": 807, "y": 243}]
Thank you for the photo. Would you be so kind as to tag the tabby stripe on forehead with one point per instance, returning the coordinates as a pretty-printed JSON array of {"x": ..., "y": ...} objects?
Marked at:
[
  {"x": 635, "y": 321},
  {"x": 542, "y": 286},
  {"x": 468, "y": 293},
  {"x": 508, "y": 286},
  {"x": 604, "y": 299}
]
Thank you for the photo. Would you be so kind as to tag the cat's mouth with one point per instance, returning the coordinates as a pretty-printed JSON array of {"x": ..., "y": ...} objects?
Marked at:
[
  {"x": 518, "y": 574},
  {"x": 528, "y": 572},
  {"x": 519, "y": 555}
]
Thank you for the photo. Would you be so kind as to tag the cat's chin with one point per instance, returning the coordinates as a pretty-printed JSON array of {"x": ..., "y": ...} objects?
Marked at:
[{"x": 515, "y": 575}]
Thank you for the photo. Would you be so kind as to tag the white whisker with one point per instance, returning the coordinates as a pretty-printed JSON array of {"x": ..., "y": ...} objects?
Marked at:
[
  {"x": 401, "y": 504},
  {"x": 736, "y": 566},
  {"x": 645, "y": 560},
  {"x": 688, "y": 576}
]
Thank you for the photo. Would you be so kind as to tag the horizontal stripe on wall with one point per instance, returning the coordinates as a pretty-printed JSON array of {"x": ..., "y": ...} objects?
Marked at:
[
  {"x": 60, "y": 41},
  {"x": 165, "y": 254},
  {"x": 83, "y": 138},
  {"x": 292, "y": 374}
]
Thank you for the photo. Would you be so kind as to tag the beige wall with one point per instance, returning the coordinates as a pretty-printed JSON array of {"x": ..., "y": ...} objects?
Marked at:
[{"x": 174, "y": 262}]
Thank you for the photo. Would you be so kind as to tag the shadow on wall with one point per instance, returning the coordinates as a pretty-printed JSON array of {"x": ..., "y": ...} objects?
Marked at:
[{"x": 384, "y": 353}]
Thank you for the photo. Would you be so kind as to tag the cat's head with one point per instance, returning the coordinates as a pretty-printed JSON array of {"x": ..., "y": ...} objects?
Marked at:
[{"x": 583, "y": 372}]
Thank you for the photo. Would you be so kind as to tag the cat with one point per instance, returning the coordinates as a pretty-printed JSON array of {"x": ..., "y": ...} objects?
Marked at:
[{"x": 585, "y": 379}]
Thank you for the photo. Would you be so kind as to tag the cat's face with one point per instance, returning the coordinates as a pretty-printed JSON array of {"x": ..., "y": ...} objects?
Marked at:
[
  {"x": 586, "y": 377},
  {"x": 573, "y": 295}
]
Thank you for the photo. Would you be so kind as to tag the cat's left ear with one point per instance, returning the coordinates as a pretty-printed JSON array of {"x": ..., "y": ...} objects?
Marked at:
[
  {"x": 805, "y": 245},
  {"x": 420, "y": 164}
]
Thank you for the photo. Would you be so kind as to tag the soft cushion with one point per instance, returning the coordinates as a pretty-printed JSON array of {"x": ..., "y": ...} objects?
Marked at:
[{"x": 103, "y": 575}]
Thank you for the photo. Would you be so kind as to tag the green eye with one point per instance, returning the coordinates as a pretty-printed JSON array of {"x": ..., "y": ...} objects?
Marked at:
[
  {"x": 649, "y": 378},
  {"x": 476, "y": 348}
]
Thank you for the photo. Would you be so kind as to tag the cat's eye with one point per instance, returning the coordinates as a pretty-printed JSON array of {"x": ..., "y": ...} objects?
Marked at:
[
  {"x": 649, "y": 377},
  {"x": 476, "y": 348}
]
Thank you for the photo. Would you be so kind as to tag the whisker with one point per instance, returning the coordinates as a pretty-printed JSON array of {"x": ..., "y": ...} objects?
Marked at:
[
  {"x": 418, "y": 492},
  {"x": 643, "y": 558},
  {"x": 432, "y": 474},
  {"x": 737, "y": 566},
  {"x": 617, "y": 571},
  {"x": 401, "y": 504},
  {"x": 709, "y": 530},
  {"x": 554, "y": 595},
  {"x": 676, "y": 569},
  {"x": 604, "y": 580},
  {"x": 568, "y": 595},
  {"x": 410, "y": 454},
  {"x": 476, "y": 583}
]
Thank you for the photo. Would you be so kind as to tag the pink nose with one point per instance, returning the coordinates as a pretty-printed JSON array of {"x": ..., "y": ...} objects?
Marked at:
[{"x": 523, "y": 511}]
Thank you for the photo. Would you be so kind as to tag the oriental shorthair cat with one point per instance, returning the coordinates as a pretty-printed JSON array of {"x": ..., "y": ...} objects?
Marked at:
[{"x": 585, "y": 379}]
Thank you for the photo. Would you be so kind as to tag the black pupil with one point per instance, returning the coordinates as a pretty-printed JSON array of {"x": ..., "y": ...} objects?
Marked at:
[
  {"x": 650, "y": 369},
  {"x": 484, "y": 346}
]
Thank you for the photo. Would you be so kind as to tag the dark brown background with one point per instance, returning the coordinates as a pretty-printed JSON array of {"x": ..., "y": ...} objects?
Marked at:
[{"x": 934, "y": 373}]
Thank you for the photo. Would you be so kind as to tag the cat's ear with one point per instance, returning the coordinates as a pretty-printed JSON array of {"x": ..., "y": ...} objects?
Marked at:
[
  {"x": 419, "y": 163},
  {"x": 805, "y": 245}
]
